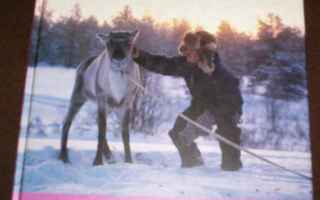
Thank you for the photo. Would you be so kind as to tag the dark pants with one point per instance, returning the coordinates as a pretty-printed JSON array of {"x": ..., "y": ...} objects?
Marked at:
[{"x": 227, "y": 127}]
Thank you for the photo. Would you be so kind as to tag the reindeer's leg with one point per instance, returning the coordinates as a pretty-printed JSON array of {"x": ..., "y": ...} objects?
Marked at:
[
  {"x": 102, "y": 125},
  {"x": 126, "y": 136},
  {"x": 106, "y": 149},
  {"x": 76, "y": 103}
]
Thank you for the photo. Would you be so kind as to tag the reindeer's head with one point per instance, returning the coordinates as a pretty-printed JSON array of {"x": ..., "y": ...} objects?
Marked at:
[{"x": 119, "y": 45}]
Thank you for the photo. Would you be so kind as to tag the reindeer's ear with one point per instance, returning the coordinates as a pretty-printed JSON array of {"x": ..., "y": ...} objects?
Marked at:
[
  {"x": 134, "y": 35},
  {"x": 103, "y": 38}
]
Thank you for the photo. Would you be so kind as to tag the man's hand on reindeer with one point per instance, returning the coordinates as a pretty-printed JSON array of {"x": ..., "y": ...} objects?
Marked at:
[{"x": 135, "y": 52}]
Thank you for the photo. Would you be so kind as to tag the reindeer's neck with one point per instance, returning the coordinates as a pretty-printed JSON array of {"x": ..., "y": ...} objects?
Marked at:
[
  {"x": 118, "y": 82},
  {"x": 102, "y": 80}
]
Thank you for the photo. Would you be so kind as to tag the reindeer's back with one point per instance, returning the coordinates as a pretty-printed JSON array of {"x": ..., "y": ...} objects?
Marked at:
[
  {"x": 90, "y": 71},
  {"x": 83, "y": 66}
]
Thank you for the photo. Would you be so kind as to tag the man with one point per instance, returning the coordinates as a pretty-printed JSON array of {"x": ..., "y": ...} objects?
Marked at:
[{"x": 213, "y": 89}]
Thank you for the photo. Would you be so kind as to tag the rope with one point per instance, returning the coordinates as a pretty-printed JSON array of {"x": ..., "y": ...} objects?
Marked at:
[{"x": 226, "y": 141}]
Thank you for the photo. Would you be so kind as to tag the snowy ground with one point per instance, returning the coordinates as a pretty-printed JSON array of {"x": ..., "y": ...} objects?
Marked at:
[{"x": 155, "y": 172}]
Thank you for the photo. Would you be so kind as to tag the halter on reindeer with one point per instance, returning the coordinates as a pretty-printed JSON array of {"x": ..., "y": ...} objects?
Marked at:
[{"x": 104, "y": 79}]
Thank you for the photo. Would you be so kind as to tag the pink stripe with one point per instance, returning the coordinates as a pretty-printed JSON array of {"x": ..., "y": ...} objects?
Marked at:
[{"x": 46, "y": 196}]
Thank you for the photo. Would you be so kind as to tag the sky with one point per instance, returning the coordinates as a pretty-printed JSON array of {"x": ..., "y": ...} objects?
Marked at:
[{"x": 241, "y": 14}]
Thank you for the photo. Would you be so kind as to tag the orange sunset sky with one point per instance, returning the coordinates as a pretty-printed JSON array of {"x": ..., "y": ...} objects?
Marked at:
[{"x": 242, "y": 14}]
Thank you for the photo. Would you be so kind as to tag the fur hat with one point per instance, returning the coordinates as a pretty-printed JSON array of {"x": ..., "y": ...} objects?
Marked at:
[
  {"x": 204, "y": 43},
  {"x": 198, "y": 40},
  {"x": 190, "y": 41},
  {"x": 207, "y": 40}
]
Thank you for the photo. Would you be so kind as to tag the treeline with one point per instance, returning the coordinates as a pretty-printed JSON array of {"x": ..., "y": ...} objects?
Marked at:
[{"x": 69, "y": 39}]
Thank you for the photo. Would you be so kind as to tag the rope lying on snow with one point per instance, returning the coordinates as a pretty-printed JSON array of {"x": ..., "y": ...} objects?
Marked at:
[{"x": 223, "y": 139}]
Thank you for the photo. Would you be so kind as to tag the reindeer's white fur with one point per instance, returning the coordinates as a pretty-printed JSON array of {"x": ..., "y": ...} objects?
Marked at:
[
  {"x": 119, "y": 85},
  {"x": 95, "y": 73}
]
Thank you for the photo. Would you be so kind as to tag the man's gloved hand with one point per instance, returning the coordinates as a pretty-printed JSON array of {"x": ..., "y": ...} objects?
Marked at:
[{"x": 135, "y": 52}]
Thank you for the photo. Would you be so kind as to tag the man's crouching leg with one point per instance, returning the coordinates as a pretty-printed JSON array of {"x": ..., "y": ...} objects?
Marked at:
[
  {"x": 190, "y": 154},
  {"x": 231, "y": 157}
]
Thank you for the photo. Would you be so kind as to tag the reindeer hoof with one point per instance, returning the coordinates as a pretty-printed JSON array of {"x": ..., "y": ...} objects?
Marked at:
[
  {"x": 108, "y": 155},
  {"x": 97, "y": 162},
  {"x": 64, "y": 157},
  {"x": 128, "y": 160}
]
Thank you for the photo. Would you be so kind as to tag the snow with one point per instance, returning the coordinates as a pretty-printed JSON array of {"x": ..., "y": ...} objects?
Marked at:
[
  {"x": 156, "y": 169},
  {"x": 156, "y": 172},
  {"x": 55, "y": 82}
]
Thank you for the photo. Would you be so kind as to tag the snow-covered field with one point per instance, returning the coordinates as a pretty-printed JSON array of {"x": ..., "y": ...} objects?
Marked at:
[{"x": 156, "y": 169}]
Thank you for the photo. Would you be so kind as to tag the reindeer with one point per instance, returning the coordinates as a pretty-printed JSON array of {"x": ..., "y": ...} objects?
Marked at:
[{"x": 105, "y": 79}]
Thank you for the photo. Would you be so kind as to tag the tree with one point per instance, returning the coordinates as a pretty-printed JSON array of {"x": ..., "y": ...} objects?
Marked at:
[
  {"x": 226, "y": 37},
  {"x": 178, "y": 29},
  {"x": 269, "y": 28},
  {"x": 88, "y": 42},
  {"x": 282, "y": 69},
  {"x": 280, "y": 66},
  {"x": 71, "y": 30},
  {"x": 234, "y": 48},
  {"x": 125, "y": 20}
]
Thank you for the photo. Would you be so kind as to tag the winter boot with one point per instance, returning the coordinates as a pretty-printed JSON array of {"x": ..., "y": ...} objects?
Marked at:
[
  {"x": 192, "y": 157},
  {"x": 189, "y": 154},
  {"x": 230, "y": 158}
]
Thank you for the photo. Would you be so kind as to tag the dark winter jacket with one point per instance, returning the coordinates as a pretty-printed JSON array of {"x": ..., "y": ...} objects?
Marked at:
[{"x": 218, "y": 92}]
